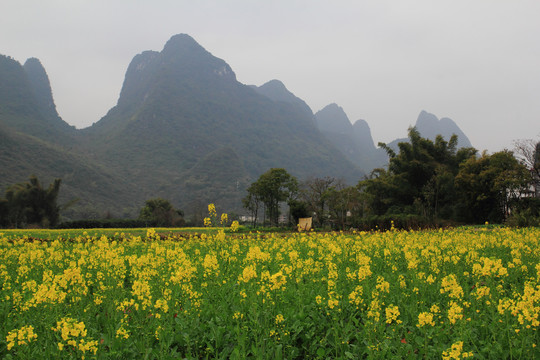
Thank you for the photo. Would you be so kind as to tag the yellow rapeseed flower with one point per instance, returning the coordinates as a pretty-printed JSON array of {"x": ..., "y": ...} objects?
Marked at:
[
  {"x": 425, "y": 318},
  {"x": 19, "y": 337},
  {"x": 456, "y": 352},
  {"x": 392, "y": 313}
]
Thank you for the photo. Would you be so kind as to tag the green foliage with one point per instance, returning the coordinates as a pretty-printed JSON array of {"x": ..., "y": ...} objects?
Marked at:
[
  {"x": 525, "y": 213},
  {"x": 419, "y": 179},
  {"x": 488, "y": 185},
  {"x": 433, "y": 180},
  {"x": 315, "y": 193},
  {"x": 30, "y": 204},
  {"x": 272, "y": 188},
  {"x": 298, "y": 209},
  {"x": 345, "y": 206},
  {"x": 160, "y": 212}
]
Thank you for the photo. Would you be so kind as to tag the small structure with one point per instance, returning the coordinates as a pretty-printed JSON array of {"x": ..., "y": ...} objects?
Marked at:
[{"x": 304, "y": 224}]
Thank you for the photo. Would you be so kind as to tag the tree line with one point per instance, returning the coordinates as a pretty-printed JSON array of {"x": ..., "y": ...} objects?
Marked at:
[
  {"x": 426, "y": 183},
  {"x": 31, "y": 204}
]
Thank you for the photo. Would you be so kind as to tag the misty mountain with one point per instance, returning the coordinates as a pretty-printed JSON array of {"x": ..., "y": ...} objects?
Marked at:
[
  {"x": 181, "y": 107},
  {"x": 34, "y": 140},
  {"x": 26, "y": 102},
  {"x": 94, "y": 187},
  {"x": 183, "y": 129},
  {"x": 39, "y": 82},
  {"x": 429, "y": 126},
  {"x": 276, "y": 90},
  {"x": 354, "y": 141}
]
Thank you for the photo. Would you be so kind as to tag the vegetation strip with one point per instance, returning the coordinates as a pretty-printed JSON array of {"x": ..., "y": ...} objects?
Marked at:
[{"x": 449, "y": 293}]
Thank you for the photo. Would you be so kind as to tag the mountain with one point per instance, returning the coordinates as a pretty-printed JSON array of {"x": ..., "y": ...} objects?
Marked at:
[
  {"x": 332, "y": 118},
  {"x": 26, "y": 102},
  {"x": 39, "y": 82},
  {"x": 34, "y": 140},
  {"x": 373, "y": 157},
  {"x": 184, "y": 128},
  {"x": 429, "y": 126},
  {"x": 180, "y": 108},
  {"x": 276, "y": 90},
  {"x": 94, "y": 187},
  {"x": 354, "y": 141}
]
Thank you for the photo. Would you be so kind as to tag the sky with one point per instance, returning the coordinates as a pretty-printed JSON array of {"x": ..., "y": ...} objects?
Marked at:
[{"x": 474, "y": 61}]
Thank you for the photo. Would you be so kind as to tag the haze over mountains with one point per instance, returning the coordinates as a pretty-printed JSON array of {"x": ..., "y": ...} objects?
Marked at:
[{"x": 183, "y": 129}]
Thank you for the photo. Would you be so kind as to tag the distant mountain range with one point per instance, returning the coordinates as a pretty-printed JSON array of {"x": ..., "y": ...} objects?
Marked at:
[{"x": 183, "y": 129}]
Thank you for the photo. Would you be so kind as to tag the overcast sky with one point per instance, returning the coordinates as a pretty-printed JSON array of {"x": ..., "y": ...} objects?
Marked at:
[{"x": 474, "y": 61}]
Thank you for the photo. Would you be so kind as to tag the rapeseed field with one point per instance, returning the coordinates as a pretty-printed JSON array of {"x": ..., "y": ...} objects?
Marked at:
[{"x": 450, "y": 294}]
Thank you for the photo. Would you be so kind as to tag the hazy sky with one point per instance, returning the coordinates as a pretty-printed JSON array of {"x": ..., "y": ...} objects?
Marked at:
[{"x": 474, "y": 61}]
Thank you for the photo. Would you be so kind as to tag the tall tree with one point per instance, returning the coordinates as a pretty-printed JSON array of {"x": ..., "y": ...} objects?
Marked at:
[
  {"x": 536, "y": 169},
  {"x": 419, "y": 178},
  {"x": 315, "y": 192},
  {"x": 527, "y": 151},
  {"x": 487, "y": 185},
  {"x": 345, "y": 205},
  {"x": 160, "y": 212},
  {"x": 30, "y": 203},
  {"x": 272, "y": 188},
  {"x": 252, "y": 202}
]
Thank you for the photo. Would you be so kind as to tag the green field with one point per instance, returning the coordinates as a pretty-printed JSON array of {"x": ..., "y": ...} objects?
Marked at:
[{"x": 207, "y": 293}]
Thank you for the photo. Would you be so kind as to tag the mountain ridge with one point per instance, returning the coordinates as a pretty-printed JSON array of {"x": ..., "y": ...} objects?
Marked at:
[
  {"x": 180, "y": 105},
  {"x": 183, "y": 128}
]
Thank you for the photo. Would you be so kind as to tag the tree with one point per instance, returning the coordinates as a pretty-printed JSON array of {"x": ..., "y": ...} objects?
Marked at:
[
  {"x": 252, "y": 202},
  {"x": 344, "y": 205},
  {"x": 272, "y": 188},
  {"x": 536, "y": 169},
  {"x": 378, "y": 190},
  {"x": 419, "y": 179},
  {"x": 160, "y": 212},
  {"x": 488, "y": 185},
  {"x": 315, "y": 193},
  {"x": 298, "y": 209},
  {"x": 30, "y": 203},
  {"x": 527, "y": 151}
]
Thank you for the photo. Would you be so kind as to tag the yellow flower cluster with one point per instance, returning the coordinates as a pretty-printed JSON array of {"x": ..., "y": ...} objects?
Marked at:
[
  {"x": 19, "y": 337},
  {"x": 392, "y": 313},
  {"x": 212, "y": 209},
  {"x": 72, "y": 334},
  {"x": 235, "y": 226},
  {"x": 211, "y": 265},
  {"x": 451, "y": 287},
  {"x": 248, "y": 273},
  {"x": 425, "y": 318},
  {"x": 455, "y": 312},
  {"x": 224, "y": 219},
  {"x": 456, "y": 352}
]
